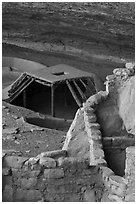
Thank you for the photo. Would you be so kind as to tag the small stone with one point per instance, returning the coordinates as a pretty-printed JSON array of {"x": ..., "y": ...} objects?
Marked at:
[
  {"x": 15, "y": 117},
  {"x": 28, "y": 151},
  {"x": 17, "y": 142},
  {"x": 3, "y": 154},
  {"x": 47, "y": 162},
  {"x": 53, "y": 173},
  {"x": 6, "y": 171},
  {"x": 89, "y": 196},
  {"x": 130, "y": 65},
  {"x": 33, "y": 160}
]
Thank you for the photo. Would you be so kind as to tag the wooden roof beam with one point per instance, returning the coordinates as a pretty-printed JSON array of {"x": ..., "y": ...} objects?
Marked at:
[
  {"x": 73, "y": 93},
  {"x": 80, "y": 91}
]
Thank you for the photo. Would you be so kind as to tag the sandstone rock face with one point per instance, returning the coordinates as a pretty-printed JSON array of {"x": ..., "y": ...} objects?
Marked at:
[
  {"x": 126, "y": 104},
  {"x": 116, "y": 115}
]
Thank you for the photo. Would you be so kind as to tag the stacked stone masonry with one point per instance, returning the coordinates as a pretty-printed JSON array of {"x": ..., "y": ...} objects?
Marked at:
[{"x": 55, "y": 177}]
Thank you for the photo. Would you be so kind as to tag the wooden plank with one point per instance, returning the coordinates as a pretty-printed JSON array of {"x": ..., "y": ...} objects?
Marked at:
[
  {"x": 73, "y": 93},
  {"x": 18, "y": 88},
  {"x": 18, "y": 93},
  {"x": 18, "y": 81},
  {"x": 43, "y": 82},
  {"x": 52, "y": 101},
  {"x": 91, "y": 84},
  {"x": 83, "y": 83},
  {"x": 80, "y": 91}
]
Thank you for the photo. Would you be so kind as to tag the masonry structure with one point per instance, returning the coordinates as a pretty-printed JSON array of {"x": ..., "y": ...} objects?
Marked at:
[{"x": 79, "y": 172}]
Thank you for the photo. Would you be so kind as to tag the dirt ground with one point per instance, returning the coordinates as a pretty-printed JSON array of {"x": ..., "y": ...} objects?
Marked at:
[
  {"x": 93, "y": 37},
  {"x": 26, "y": 139}
]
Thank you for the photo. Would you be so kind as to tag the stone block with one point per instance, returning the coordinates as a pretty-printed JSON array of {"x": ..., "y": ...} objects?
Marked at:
[
  {"x": 130, "y": 151},
  {"x": 88, "y": 110},
  {"x": 94, "y": 126},
  {"x": 27, "y": 195},
  {"x": 103, "y": 94},
  {"x": 89, "y": 195},
  {"x": 95, "y": 136},
  {"x": 7, "y": 195},
  {"x": 117, "y": 181},
  {"x": 28, "y": 183},
  {"x": 91, "y": 119},
  {"x": 98, "y": 153},
  {"x": 53, "y": 173},
  {"x": 101, "y": 162},
  {"x": 115, "y": 198},
  {"x": 33, "y": 160},
  {"x": 72, "y": 197},
  {"x": 105, "y": 197},
  {"x": 55, "y": 189},
  {"x": 14, "y": 161},
  {"x": 106, "y": 172},
  {"x": 35, "y": 173},
  {"x": 50, "y": 197},
  {"x": 130, "y": 65},
  {"x": 110, "y": 77},
  {"x": 120, "y": 191},
  {"x": 94, "y": 100},
  {"x": 54, "y": 154},
  {"x": 47, "y": 162},
  {"x": 67, "y": 161},
  {"x": 13, "y": 130}
]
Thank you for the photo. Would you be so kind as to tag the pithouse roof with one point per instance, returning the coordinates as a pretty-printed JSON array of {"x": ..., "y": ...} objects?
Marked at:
[{"x": 51, "y": 74}]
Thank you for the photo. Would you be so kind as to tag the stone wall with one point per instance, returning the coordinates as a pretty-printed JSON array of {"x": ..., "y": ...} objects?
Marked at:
[
  {"x": 117, "y": 188},
  {"x": 51, "y": 176}
]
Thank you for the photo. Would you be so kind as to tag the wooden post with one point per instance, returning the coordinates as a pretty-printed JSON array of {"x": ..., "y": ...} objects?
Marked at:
[
  {"x": 52, "y": 101},
  {"x": 24, "y": 98}
]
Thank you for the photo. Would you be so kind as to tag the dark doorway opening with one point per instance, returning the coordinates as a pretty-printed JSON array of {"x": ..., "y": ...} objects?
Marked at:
[{"x": 38, "y": 99}]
